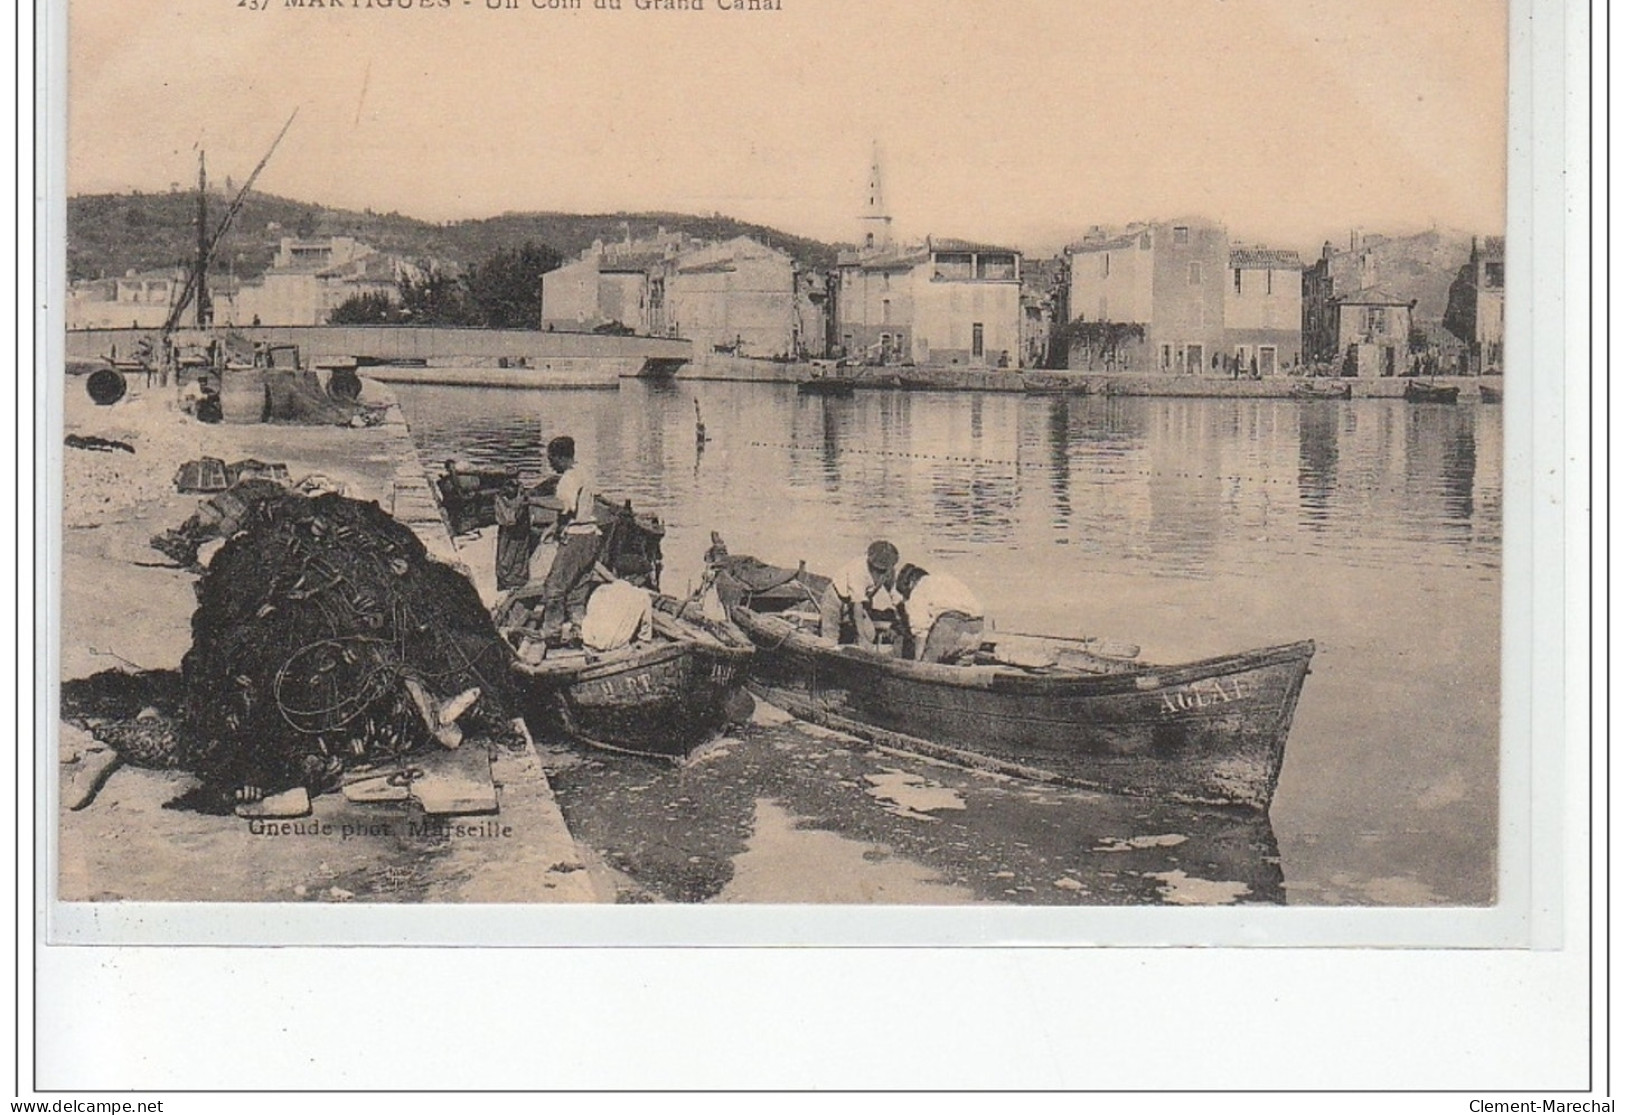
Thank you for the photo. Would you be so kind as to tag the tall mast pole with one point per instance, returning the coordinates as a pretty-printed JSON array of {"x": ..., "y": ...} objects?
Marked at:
[{"x": 202, "y": 291}]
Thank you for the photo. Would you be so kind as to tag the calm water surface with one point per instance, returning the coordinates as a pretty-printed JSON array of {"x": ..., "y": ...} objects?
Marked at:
[{"x": 1192, "y": 527}]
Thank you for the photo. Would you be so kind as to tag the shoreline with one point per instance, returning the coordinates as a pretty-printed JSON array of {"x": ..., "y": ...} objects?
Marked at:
[
  {"x": 124, "y": 606},
  {"x": 1035, "y": 381}
]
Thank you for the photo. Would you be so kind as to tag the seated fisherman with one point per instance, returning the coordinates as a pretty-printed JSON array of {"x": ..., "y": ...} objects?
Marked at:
[
  {"x": 619, "y": 614},
  {"x": 859, "y": 606},
  {"x": 579, "y": 539},
  {"x": 944, "y": 617}
]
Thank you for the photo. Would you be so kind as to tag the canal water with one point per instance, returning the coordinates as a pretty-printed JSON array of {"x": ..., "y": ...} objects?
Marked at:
[{"x": 1192, "y": 527}]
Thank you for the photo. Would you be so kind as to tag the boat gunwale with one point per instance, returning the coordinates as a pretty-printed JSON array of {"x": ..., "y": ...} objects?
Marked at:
[{"x": 1015, "y": 680}]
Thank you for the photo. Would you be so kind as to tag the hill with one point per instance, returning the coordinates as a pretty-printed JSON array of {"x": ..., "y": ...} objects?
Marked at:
[
  {"x": 109, "y": 234},
  {"x": 1421, "y": 266}
]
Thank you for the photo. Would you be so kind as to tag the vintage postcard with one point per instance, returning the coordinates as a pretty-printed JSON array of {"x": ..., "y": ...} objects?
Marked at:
[{"x": 1043, "y": 462}]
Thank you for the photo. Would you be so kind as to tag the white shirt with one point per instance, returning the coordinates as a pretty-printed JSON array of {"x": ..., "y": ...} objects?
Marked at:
[
  {"x": 853, "y": 584},
  {"x": 617, "y": 614},
  {"x": 934, "y": 594},
  {"x": 575, "y": 492}
]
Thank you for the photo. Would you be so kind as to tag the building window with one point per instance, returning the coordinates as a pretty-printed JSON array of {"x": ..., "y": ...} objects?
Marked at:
[
  {"x": 976, "y": 339},
  {"x": 1494, "y": 274},
  {"x": 1376, "y": 320},
  {"x": 885, "y": 311},
  {"x": 1182, "y": 235},
  {"x": 1238, "y": 280},
  {"x": 1196, "y": 274},
  {"x": 1167, "y": 359},
  {"x": 1105, "y": 265},
  {"x": 1269, "y": 282}
]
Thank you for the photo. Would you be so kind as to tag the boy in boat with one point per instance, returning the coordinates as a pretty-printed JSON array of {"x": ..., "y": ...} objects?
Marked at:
[
  {"x": 944, "y": 617},
  {"x": 859, "y": 604},
  {"x": 578, "y": 537},
  {"x": 512, "y": 509}
]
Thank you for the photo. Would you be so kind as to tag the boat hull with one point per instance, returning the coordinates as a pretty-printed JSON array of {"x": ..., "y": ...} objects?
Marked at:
[
  {"x": 1211, "y": 732},
  {"x": 1430, "y": 393},
  {"x": 663, "y": 702},
  {"x": 660, "y": 699}
]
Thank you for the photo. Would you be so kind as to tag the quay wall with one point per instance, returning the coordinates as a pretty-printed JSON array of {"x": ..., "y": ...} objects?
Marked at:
[
  {"x": 435, "y": 344},
  {"x": 572, "y": 372},
  {"x": 717, "y": 366},
  {"x": 741, "y": 369}
]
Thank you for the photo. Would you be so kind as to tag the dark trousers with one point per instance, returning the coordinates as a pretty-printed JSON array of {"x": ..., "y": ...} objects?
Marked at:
[
  {"x": 571, "y": 564},
  {"x": 513, "y": 556},
  {"x": 951, "y": 635}
]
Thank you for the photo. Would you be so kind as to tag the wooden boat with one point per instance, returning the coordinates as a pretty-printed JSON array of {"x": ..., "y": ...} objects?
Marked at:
[
  {"x": 1209, "y": 732},
  {"x": 1312, "y": 390},
  {"x": 909, "y": 383},
  {"x": 468, "y": 495},
  {"x": 659, "y": 698},
  {"x": 1430, "y": 393},
  {"x": 825, "y": 379},
  {"x": 1488, "y": 394}
]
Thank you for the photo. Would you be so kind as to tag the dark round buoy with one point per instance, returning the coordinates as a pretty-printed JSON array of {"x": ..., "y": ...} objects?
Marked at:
[
  {"x": 344, "y": 384},
  {"x": 106, "y": 386}
]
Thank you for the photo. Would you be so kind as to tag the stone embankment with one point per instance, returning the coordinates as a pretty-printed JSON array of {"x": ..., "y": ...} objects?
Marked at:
[
  {"x": 126, "y": 608},
  {"x": 717, "y": 366}
]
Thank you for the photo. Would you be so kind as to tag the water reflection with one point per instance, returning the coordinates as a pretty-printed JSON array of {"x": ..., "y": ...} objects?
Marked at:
[
  {"x": 1191, "y": 527},
  {"x": 1319, "y": 423}
]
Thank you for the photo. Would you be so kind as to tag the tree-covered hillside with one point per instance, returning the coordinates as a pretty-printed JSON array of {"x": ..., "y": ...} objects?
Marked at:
[{"x": 109, "y": 234}]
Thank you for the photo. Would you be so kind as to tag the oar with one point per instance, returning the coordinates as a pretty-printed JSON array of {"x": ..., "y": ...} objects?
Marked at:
[{"x": 1106, "y": 648}]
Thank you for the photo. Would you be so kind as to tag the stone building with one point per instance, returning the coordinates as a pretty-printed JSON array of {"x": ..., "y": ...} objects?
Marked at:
[
  {"x": 1373, "y": 333},
  {"x": 1263, "y": 309},
  {"x": 1150, "y": 297},
  {"x": 1477, "y": 310},
  {"x": 948, "y": 302},
  {"x": 743, "y": 297}
]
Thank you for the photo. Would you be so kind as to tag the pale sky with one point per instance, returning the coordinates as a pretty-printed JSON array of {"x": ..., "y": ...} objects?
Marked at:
[{"x": 1023, "y": 121}]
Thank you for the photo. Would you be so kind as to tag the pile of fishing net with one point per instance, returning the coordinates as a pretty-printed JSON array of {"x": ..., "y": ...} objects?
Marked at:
[
  {"x": 326, "y": 638},
  {"x": 300, "y": 397}
]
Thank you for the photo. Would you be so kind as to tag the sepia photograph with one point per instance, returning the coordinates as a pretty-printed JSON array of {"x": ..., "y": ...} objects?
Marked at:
[{"x": 783, "y": 452}]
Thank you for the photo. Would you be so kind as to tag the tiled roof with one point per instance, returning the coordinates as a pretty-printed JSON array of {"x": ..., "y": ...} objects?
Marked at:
[
  {"x": 1265, "y": 259},
  {"x": 631, "y": 261},
  {"x": 894, "y": 260},
  {"x": 951, "y": 245}
]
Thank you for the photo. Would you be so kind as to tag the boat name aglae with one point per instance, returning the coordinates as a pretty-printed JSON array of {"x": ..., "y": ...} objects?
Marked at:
[{"x": 1210, "y": 691}]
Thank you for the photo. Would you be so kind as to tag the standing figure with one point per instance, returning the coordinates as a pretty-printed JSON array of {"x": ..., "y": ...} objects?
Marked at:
[
  {"x": 578, "y": 538},
  {"x": 513, "y": 535}
]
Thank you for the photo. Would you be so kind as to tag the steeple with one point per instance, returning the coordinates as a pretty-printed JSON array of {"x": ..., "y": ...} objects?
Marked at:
[{"x": 874, "y": 226}]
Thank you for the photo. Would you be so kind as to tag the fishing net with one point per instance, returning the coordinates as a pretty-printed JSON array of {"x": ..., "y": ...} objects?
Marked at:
[
  {"x": 299, "y": 397},
  {"x": 326, "y": 637}
]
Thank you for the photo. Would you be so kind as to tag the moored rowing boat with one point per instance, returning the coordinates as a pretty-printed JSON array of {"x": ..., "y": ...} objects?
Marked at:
[
  {"x": 1209, "y": 732},
  {"x": 662, "y": 697}
]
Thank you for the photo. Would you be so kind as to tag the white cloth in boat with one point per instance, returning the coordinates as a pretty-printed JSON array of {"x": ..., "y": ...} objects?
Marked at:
[
  {"x": 934, "y": 594},
  {"x": 575, "y": 492},
  {"x": 618, "y": 614},
  {"x": 853, "y": 584}
]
